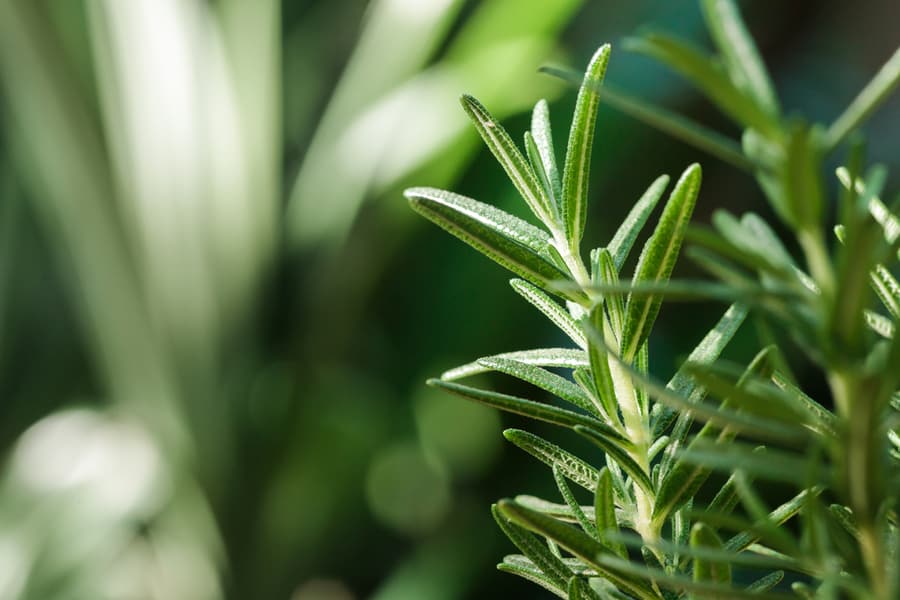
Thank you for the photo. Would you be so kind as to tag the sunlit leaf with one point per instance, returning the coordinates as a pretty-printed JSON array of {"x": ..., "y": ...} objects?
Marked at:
[
  {"x": 543, "y": 139},
  {"x": 576, "y": 172},
  {"x": 658, "y": 259},
  {"x": 509, "y": 157},
  {"x": 528, "y": 408},
  {"x": 552, "y": 568},
  {"x": 618, "y": 451},
  {"x": 567, "y": 358},
  {"x": 621, "y": 243},
  {"x": 552, "y": 455},
  {"x": 551, "y": 382},
  {"x": 508, "y": 240},
  {"x": 553, "y": 311}
]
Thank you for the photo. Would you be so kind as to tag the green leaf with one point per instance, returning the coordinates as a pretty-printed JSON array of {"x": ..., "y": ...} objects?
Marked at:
[
  {"x": 772, "y": 465},
  {"x": 551, "y": 382},
  {"x": 876, "y": 91},
  {"x": 742, "y": 60},
  {"x": 748, "y": 242},
  {"x": 600, "y": 372},
  {"x": 709, "y": 77},
  {"x": 520, "y": 406},
  {"x": 508, "y": 240},
  {"x": 615, "y": 304},
  {"x": 704, "y": 536},
  {"x": 537, "y": 166},
  {"x": 718, "y": 554},
  {"x": 879, "y": 324},
  {"x": 621, "y": 243},
  {"x": 706, "y": 352},
  {"x": 803, "y": 178},
  {"x": 666, "y": 121},
  {"x": 551, "y": 310},
  {"x": 887, "y": 289},
  {"x": 566, "y": 358},
  {"x": 576, "y": 172},
  {"x": 543, "y": 139},
  {"x": 767, "y": 238},
  {"x": 586, "y": 524},
  {"x": 605, "y": 513},
  {"x": 576, "y": 542},
  {"x": 510, "y": 158},
  {"x": 618, "y": 451},
  {"x": 532, "y": 574},
  {"x": 658, "y": 259},
  {"x": 549, "y": 565},
  {"x": 579, "y": 590},
  {"x": 826, "y": 420},
  {"x": 556, "y": 510},
  {"x": 552, "y": 455},
  {"x": 681, "y": 483},
  {"x": 766, "y": 583}
]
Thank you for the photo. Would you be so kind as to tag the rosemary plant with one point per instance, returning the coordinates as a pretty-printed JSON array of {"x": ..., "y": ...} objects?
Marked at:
[{"x": 647, "y": 534}]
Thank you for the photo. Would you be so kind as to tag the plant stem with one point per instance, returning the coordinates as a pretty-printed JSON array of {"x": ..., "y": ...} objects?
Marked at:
[
  {"x": 637, "y": 428},
  {"x": 854, "y": 404}
]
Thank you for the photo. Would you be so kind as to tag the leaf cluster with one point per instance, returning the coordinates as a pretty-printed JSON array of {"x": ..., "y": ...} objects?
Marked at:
[{"x": 646, "y": 534}]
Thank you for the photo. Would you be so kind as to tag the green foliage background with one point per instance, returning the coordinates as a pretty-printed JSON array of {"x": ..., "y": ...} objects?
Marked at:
[{"x": 217, "y": 311}]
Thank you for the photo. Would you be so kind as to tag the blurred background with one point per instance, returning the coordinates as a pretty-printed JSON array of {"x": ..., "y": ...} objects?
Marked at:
[{"x": 217, "y": 312}]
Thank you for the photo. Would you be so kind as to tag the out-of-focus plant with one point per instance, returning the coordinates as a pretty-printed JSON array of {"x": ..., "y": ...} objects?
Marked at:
[
  {"x": 838, "y": 468},
  {"x": 148, "y": 138}
]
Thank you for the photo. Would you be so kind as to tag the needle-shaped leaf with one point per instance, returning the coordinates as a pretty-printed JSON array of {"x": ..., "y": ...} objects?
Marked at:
[
  {"x": 766, "y": 583},
  {"x": 600, "y": 372},
  {"x": 509, "y": 157},
  {"x": 553, "y": 311},
  {"x": 720, "y": 417},
  {"x": 551, "y": 382},
  {"x": 578, "y": 590},
  {"x": 549, "y": 565},
  {"x": 825, "y": 419},
  {"x": 537, "y": 165},
  {"x": 747, "y": 242},
  {"x": 887, "y": 289},
  {"x": 879, "y": 324},
  {"x": 704, "y": 536},
  {"x": 802, "y": 178},
  {"x": 618, "y": 451},
  {"x": 552, "y": 455},
  {"x": 621, "y": 243},
  {"x": 543, "y": 139},
  {"x": 680, "y": 484},
  {"x": 773, "y": 465},
  {"x": 709, "y": 77},
  {"x": 658, "y": 259},
  {"x": 615, "y": 303},
  {"x": 565, "y": 358},
  {"x": 876, "y": 91},
  {"x": 605, "y": 513},
  {"x": 556, "y": 510},
  {"x": 508, "y": 240},
  {"x": 587, "y": 525},
  {"x": 576, "y": 542},
  {"x": 531, "y": 573},
  {"x": 520, "y": 406},
  {"x": 742, "y": 60},
  {"x": 576, "y": 172}
]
